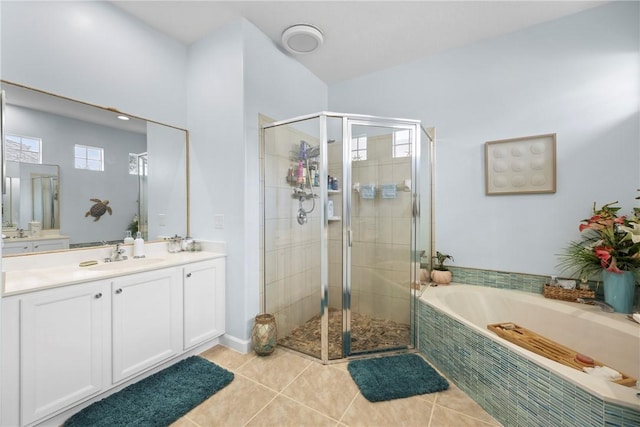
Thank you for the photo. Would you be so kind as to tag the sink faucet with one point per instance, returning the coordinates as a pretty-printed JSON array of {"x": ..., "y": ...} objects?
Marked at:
[
  {"x": 603, "y": 305},
  {"x": 117, "y": 254}
]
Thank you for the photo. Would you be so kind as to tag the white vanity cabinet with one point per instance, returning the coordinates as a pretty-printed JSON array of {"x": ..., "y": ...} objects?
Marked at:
[
  {"x": 62, "y": 347},
  {"x": 75, "y": 344},
  {"x": 204, "y": 295},
  {"x": 18, "y": 246},
  {"x": 147, "y": 320},
  {"x": 50, "y": 245}
]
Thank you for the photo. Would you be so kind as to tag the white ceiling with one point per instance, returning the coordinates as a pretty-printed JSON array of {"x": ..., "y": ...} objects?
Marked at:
[{"x": 360, "y": 36}]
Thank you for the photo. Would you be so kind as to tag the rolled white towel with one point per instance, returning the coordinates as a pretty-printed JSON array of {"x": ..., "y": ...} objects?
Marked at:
[
  {"x": 603, "y": 372},
  {"x": 567, "y": 284}
]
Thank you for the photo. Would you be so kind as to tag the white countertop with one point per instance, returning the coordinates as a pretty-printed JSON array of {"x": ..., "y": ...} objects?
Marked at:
[{"x": 36, "y": 272}]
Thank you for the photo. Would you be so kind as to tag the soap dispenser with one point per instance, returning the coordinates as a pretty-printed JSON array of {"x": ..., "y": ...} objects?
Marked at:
[
  {"x": 138, "y": 246},
  {"x": 128, "y": 239}
]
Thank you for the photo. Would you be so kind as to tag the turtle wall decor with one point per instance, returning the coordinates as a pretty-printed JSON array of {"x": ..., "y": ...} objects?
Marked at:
[{"x": 98, "y": 209}]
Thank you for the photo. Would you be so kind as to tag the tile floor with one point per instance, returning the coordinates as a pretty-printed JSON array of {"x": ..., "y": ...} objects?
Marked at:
[{"x": 286, "y": 389}]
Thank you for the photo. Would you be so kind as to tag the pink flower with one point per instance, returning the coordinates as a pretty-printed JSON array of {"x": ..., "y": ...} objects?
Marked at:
[
  {"x": 613, "y": 268},
  {"x": 598, "y": 222},
  {"x": 603, "y": 252},
  {"x": 607, "y": 261}
]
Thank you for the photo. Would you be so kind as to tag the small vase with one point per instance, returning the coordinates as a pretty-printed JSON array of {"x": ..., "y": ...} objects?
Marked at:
[
  {"x": 264, "y": 335},
  {"x": 441, "y": 277},
  {"x": 619, "y": 290}
]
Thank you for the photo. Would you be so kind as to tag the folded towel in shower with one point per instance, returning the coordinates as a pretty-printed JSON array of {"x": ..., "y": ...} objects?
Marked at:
[
  {"x": 368, "y": 191},
  {"x": 388, "y": 191},
  {"x": 603, "y": 372}
]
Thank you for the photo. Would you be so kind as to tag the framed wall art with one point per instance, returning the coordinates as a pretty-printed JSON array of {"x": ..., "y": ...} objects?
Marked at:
[{"x": 521, "y": 165}]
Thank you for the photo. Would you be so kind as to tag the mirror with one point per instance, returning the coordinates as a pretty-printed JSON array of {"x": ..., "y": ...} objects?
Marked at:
[
  {"x": 81, "y": 172},
  {"x": 31, "y": 195}
]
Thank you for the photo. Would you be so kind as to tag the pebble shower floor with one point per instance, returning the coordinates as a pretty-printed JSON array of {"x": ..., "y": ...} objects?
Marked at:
[{"x": 368, "y": 334}]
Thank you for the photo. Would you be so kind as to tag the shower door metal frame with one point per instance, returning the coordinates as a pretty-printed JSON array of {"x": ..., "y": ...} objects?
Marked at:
[
  {"x": 347, "y": 120},
  {"x": 347, "y": 232}
]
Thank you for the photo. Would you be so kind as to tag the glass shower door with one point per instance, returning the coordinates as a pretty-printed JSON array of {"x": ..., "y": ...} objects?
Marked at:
[{"x": 380, "y": 228}]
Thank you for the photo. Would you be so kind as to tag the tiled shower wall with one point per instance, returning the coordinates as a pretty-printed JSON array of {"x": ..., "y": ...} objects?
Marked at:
[
  {"x": 381, "y": 232},
  {"x": 292, "y": 251},
  {"x": 381, "y": 256}
]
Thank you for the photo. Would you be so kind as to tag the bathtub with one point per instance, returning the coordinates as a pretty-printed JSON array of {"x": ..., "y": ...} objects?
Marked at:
[{"x": 517, "y": 386}]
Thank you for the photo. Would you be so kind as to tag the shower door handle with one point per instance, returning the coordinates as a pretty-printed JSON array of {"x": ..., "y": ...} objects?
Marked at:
[{"x": 350, "y": 237}]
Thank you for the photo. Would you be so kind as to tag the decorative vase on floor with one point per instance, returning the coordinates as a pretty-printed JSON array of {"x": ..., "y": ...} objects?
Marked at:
[
  {"x": 264, "y": 335},
  {"x": 619, "y": 290}
]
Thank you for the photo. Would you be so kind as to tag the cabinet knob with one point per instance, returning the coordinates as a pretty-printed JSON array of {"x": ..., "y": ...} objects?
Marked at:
[
  {"x": 99, "y": 295},
  {"x": 188, "y": 274},
  {"x": 119, "y": 291}
]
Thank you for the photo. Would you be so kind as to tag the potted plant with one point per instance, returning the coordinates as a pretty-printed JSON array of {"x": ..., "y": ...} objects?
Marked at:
[
  {"x": 609, "y": 246},
  {"x": 441, "y": 273}
]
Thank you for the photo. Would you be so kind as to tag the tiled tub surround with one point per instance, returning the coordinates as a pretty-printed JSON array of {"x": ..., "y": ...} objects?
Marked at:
[
  {"x": 514, "y": 385},
  {"x": 518, "y": 281}
]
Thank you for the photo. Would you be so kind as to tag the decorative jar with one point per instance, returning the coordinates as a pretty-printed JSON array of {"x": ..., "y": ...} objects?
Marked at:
[{"x": 264, "y": 335}]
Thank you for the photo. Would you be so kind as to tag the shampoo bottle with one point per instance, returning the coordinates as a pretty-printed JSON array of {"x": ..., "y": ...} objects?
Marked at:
[
  {"x": 128, "y": 239},
  {"x": 138, "y": 246},
  {"x": 300, "y": 173}
]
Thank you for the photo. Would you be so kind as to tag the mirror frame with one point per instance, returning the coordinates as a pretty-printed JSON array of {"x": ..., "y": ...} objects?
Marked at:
[{"x": 110, "y": 110}]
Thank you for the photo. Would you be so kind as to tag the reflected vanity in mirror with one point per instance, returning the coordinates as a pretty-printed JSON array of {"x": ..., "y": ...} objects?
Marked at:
[{"x": 88, "y": 174}]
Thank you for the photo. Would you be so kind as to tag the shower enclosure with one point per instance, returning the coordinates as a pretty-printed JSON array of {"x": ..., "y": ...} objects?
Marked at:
[{"x": 346, "y": 221}]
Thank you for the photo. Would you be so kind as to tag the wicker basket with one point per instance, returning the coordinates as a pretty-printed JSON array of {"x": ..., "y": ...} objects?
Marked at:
[{"x": 572, "y": 295}]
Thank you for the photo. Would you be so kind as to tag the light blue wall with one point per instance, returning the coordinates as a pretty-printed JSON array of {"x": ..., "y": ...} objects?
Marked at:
[
  {"x": 279, "y": 87},
  {"x": 92, "y": 51},
  {"x": 577, "y": 76},
  {"x": 234, "y": 74},
  {"x": 215, "y": 122}
]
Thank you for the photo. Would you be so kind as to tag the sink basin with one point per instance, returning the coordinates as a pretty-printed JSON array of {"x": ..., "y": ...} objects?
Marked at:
[{"x": 126, "y": 265}]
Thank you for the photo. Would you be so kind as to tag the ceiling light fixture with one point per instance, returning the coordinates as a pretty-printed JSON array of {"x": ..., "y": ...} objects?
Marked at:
[
  {"x": 121, "y": 117},
  {"x": 302, "y": 39}
]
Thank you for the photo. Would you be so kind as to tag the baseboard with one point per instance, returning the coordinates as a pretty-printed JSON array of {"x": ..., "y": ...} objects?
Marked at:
[{"x": 237, "y": 344}]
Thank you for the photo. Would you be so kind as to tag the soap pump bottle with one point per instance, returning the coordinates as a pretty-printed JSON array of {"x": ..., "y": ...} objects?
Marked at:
[
  {"x": 138, "y": 246},
  {"x": 128, "y": 239}
]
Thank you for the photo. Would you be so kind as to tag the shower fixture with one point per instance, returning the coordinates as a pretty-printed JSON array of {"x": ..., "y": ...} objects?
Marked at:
[{"x": 304, "y": 177}]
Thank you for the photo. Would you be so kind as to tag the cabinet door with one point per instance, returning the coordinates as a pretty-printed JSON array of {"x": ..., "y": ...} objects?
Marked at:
[
  {"x": 16, "y": 248},
  {"x": 204, "y": 286},
  {"x": 62, "y": 347},
  {"x": 147, "y": 320},
  {"x": 50, "y": 245}
]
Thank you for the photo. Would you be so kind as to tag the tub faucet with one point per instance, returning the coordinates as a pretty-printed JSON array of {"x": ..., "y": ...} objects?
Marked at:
[
  {"x": 603, "y": 305},
  {"x": 117, "y": 254}
]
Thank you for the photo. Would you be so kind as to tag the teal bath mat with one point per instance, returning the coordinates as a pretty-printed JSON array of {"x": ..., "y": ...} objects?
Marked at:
[
  {"x": 395, "y": 377},
  {"x": 157, "y": 400}
]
